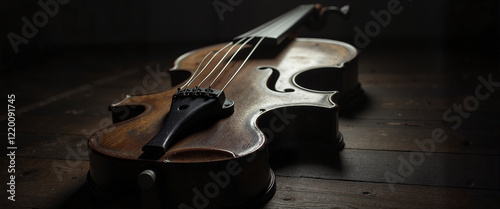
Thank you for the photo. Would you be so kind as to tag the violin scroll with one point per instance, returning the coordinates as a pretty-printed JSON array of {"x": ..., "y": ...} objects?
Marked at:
[{"x": 317, "y": 21}]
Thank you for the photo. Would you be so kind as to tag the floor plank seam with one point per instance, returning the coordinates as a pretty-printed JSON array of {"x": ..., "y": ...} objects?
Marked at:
[
  {"x": 409, "y": 151},
  {"x": 377, "y": 182}
]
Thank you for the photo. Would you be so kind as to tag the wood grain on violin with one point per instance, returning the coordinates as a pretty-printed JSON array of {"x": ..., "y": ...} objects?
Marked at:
[{"x": 205, "y": 142}]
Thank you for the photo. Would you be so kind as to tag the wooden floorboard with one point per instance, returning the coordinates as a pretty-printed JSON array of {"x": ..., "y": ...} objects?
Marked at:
[
  {"x": 51, "y": 183},
  {"x": 319, "y": 193},
  {"x": 45, "y": 183},
  {"x": 379, "y": 167},
  {"x": 406, "y": 135}
]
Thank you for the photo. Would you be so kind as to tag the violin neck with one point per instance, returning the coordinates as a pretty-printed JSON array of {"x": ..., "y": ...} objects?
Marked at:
[{"x": 278, "y": 29}]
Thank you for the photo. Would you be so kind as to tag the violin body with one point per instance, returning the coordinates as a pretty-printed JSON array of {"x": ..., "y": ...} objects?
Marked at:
[{"x": 224, "y": 163}]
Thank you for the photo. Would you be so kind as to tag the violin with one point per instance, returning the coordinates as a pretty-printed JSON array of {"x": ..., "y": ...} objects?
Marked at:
[{"x": 204, "y": 143}]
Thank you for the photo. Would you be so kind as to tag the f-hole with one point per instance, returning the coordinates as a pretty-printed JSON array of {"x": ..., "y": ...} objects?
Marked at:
[
  {"x": 273, "y": 79},
  {"x": 320, "y": 79}
]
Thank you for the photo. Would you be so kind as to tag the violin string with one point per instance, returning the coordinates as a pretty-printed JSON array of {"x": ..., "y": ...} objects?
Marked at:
[
  {"x": 206, "y": 65},
  {"x": 220, "y": 61},
  {"x": 250, "y": 54},
  {"x": 195, "y": 75},
  {"x": 268, "y": 24},
  {"x": 241, "y": 66},
  {"x": 231, "y": 59}
]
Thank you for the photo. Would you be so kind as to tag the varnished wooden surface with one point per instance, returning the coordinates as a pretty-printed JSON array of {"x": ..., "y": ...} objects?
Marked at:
[
  {"x": 237, "y": 134},
  {"x": 408, "y": 91}
]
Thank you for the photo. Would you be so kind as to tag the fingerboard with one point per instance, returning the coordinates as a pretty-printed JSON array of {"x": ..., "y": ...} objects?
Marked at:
[{"x": 277, "y": 30}]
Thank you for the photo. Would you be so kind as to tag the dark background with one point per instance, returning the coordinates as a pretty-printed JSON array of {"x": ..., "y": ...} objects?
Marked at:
[
  {"x": 139, "y": 27},
  {"x": 427, "y": 59}
]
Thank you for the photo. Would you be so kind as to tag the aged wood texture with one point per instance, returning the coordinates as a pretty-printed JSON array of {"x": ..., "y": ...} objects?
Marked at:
[{"x": 407, "y": 100}]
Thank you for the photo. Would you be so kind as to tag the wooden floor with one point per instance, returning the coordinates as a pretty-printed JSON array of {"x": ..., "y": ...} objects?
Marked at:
[{"x": 390, "y": 159}]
